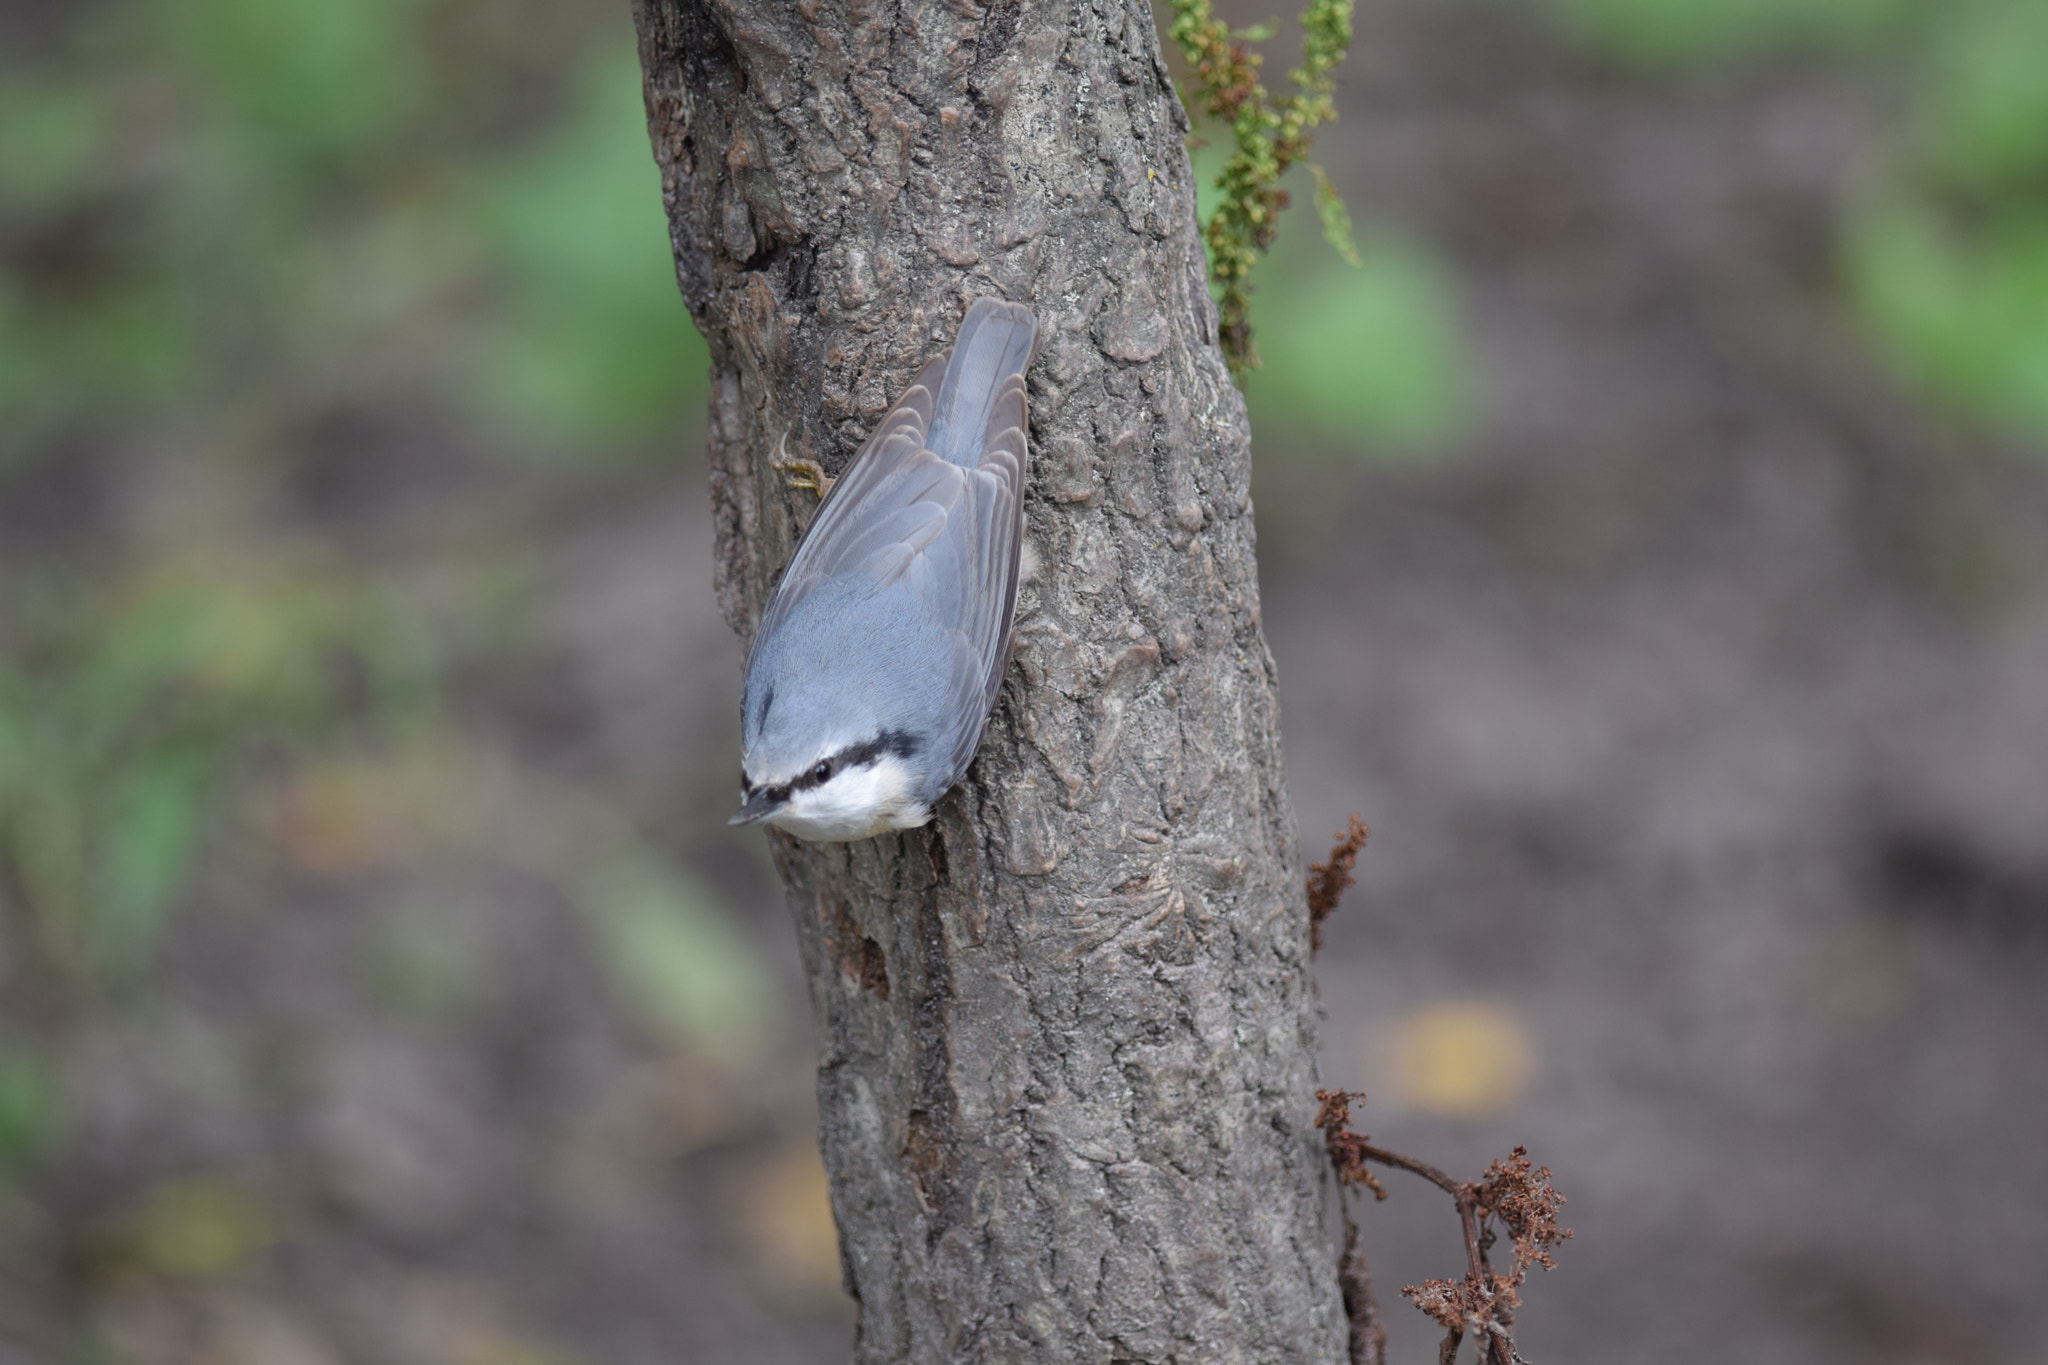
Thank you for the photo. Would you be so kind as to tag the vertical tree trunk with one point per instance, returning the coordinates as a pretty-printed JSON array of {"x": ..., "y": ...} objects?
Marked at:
[{"x": 1066, "y": 1032}]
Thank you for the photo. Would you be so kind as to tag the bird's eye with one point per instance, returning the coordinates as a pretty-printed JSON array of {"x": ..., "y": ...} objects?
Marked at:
[{"x": 821, "y": 772}]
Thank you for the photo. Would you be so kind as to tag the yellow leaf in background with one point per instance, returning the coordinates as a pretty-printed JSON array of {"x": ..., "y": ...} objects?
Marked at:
[
  {"x": 196, "y": 1228},
  {"x": 1461, "y": 1058},
  {"x": 508, "y": 1350},
  {"x": 786, "y": 1216},
  {"x": 240, "y": 635}
]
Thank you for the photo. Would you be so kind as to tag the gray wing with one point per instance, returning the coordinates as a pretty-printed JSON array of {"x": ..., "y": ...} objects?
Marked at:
[
  {"x": 947, "y": 536},
  {"x": 899, "y": 437},
  {"x": 996, "y": 502}
]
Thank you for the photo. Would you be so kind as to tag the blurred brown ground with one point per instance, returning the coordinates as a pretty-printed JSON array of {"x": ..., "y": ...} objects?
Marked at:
[{"x": 1698, "y": 702}]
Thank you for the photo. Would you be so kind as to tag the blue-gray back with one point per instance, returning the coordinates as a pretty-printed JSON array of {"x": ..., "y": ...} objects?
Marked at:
[{"x": 894, "y": 615}]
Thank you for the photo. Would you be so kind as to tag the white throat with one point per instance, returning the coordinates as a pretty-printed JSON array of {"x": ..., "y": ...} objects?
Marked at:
[{"x": 854, "y": 803}]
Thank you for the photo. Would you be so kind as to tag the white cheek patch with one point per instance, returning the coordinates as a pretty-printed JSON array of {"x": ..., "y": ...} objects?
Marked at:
[{"x": 855, "y": 803}]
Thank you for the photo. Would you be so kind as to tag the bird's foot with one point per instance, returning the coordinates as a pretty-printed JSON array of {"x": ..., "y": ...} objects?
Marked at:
[{"x": 803, "y": 471}]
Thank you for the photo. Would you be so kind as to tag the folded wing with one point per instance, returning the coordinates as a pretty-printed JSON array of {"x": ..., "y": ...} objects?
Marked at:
[{"x": 945, "y": 534}]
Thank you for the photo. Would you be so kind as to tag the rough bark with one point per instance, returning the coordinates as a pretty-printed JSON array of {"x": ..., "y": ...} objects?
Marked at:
[{"x": 1066, "y": 1032}]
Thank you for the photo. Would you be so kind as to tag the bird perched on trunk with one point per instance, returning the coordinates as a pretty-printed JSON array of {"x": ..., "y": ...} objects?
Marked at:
[{"x": 881, "y": 653}]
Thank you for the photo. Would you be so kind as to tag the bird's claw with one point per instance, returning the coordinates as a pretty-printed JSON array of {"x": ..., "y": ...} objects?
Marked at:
[
  {"x": 803, "y": 471},
  {"x": 806, "y": 473}
]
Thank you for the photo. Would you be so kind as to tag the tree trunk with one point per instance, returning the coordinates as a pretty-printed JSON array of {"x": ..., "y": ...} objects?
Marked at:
[{"x": 1066, "y": 1032}]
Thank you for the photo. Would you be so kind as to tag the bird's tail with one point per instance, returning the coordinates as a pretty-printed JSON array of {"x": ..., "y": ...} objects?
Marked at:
[{"x": 995, "y": 342}]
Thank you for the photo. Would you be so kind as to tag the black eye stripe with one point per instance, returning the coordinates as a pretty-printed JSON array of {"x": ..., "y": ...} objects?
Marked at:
[{"x": 900, "y": 743}]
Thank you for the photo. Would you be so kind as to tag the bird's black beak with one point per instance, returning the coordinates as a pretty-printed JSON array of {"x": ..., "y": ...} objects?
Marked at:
[{"x": 762, "y": 804}]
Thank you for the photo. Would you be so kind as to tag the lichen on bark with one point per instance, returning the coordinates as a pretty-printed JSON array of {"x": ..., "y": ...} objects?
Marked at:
[{"x": 1066, "y": 1032}]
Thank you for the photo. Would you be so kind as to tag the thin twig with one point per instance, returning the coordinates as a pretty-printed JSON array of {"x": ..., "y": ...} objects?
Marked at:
[
  {"x": 1361, "y": 1305},
  {"x": 1453, "y": 1188},
  {"x": 1516, "y": 1192}
]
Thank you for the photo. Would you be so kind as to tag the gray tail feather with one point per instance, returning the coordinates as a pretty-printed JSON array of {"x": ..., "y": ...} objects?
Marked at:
[{"x": 995, "y": 342}]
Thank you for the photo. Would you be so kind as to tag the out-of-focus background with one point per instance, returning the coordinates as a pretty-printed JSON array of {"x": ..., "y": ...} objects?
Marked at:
[{"x": 1655, "y": 537}]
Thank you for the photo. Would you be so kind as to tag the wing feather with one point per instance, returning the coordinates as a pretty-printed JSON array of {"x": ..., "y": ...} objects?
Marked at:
[
  {"x": 988, "y": 573},
  {"x": 945, "y": 536},
  {"x": 898, "y": 437}
]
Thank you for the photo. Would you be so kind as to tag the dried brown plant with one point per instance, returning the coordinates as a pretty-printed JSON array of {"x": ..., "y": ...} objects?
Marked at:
[
  {"x": 1327, "y": 882},
  {"x": 1514, "y": 1195}
]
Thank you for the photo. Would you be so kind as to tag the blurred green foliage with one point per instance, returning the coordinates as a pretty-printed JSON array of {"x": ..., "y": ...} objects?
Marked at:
[
  {"x": 1981, "y": 119},
  {"x": 594, "y": 338},
  {"x": 226, "y": 203},
  {"x": 313, "y": 84},
  {"x": 87, "y": 326},
  {"x": 1946, "y": 256},
  {"x": 1369, "y": 358},
  {"x": 1944, "y": 250},
  {"x": 51, "y": 136},
  {"x": 1367, "y": 355},
  {"x": 679, "y": 959},
  {"x": 1686, "y": 33},
  {"x": 222, "y": 221},
  {"x": 229, "y": 230},
  {"x": 1964, "y": 315},
  {"x": 29, "y": 1111},
  {"x": 1268, "y": 134},
  {"x": 121, "y": 712}
]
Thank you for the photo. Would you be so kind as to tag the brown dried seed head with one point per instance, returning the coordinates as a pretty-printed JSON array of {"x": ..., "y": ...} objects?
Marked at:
[{"x": 1327, "y": 882}]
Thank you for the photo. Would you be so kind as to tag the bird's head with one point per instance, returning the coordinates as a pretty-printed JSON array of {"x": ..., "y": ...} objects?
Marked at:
[{"x": 840, "y": 791}]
